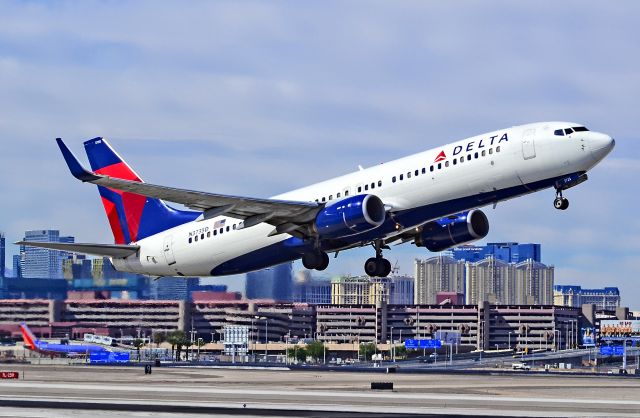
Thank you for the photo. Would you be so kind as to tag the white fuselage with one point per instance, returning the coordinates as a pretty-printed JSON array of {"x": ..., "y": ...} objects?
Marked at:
[{"x": 499, "y": 160}]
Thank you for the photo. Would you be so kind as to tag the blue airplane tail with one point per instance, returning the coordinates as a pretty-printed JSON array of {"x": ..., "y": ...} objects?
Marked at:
[{"x": 132, "y": 217}]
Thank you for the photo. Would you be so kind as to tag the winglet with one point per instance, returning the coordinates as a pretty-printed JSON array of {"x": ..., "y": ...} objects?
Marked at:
[{"x": 77, "y": 170}]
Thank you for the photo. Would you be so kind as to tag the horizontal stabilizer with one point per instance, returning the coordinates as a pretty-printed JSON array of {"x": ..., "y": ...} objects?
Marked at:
[{"x": 104, "y": 250}]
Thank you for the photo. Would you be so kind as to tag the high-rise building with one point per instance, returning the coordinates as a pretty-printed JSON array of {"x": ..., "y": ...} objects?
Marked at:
[
  {"x": 525, "y": 283},
  {"x": 534, "y": 283},
  {"x": 437, "y": 274},
  {"x": 607, "y": 298},
  {"x": 271, "y": 283},
  {"x": 2, "y": 255},
  {"x": 76, "y": 267},
  {"x": 371, "y": 290},
  {"x": 173, "y": 288},
  {"x": 307, "y": 289},
  {"x": 509, "y": 252},
  {"x": 41, "y": 262},
  {"x": 17, "y": 265},
  {"x": 402, "y": 290}
]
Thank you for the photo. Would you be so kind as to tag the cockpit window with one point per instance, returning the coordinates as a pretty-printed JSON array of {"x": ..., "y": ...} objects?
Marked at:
[
  {"x": 580, "y": 129},
  {"x": 568, "y": 131},
  {"x": 558, "y": 132}
]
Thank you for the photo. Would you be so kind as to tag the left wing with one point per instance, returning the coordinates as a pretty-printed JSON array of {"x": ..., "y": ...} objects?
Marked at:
[{"x": 286, "y": 216}]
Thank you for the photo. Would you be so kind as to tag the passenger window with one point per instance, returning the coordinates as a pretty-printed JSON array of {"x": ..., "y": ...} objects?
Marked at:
[
  {"x": 446, "y": 163},
  {"x": 409, "y": 175},
  {"x": 323, "y": 200},
  {"x": 416, "y": 172},
  {"x": 379, "y": 183},
  {"x": 317, "y": 201},
  {"x": 234, "y": 226},
  {"x": 196, "y": 238},
  {"x": 431, "y": 168},
  {"x": 366, "y": 187},
  {"x": 401, "y": 177},
  {"x": 393, "y": 179},
  {"x": 228, "y": 229},
  {"x": 490, "y": 150},
  {"x": 215, "y": 232},
  {"x": 498, "y": 148},
  {"x": 190, "y": 240},
  {"x": 208, "y": 234},
  {"x": 468, "y": 157},
  {"x": 476, "y": 155},
  {"x": 346, "y": 192},
  {"x": 455, "y": 161},
  {"x": 201, "y": 236},
  {"x": 373, "y": 186},
  {"x": 359, "y": 189},
  {"x": 462, "y": 159},
  {"x": 338, "y": 195},
  {"x": 484, "y": 153},
  {"x": 439, "y": 166},
  {"x": 330, "y": 197},
  {"x": 221, "y": 230},
  {"x": 424, "y": 170}
]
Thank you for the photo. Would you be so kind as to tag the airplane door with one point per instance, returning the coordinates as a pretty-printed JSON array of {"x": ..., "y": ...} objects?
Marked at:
[
  {"x": 528, "y": 144},
  {"x": 168, "y": 250}
]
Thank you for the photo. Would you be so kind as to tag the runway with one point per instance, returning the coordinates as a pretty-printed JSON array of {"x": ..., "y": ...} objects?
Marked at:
[{"x": 171, "y": 392}]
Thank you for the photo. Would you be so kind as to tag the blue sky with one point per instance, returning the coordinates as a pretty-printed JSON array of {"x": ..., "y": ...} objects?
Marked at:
[{"x": 257, "y": 98}]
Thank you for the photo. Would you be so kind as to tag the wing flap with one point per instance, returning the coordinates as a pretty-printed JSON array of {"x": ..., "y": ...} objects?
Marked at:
[{"x": 104, "y": 250}]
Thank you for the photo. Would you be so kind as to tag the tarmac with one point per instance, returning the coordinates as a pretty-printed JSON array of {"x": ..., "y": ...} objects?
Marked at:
[{"x": 100, "y": 391}]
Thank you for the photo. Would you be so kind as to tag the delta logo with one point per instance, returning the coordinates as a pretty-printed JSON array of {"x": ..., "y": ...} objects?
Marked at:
[{"x": 440, "y": 157}]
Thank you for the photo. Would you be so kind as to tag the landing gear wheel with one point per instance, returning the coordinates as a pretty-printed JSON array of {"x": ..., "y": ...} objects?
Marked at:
[
  {"x": 557, "y": 203},
  {"x": 384, "y": 267},
  {"x": 324, "y": 262},
  {"x": 371, "y": 267},
  {"x": 565, "y": 204},
  {"x": 315, "y": 260}
]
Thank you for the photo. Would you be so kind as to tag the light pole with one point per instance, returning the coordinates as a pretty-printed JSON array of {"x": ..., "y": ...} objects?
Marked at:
[
  {"x": 392, "y": 348},
  {"x": 556, "y": 342}
]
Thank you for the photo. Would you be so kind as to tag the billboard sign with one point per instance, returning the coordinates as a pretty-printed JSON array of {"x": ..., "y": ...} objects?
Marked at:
[
  {"x": 588, "y": 336},
  {"x": 617, "y": 328},
  {"x": 612, "y": 350},
  {"x": 449, "y": 337}
]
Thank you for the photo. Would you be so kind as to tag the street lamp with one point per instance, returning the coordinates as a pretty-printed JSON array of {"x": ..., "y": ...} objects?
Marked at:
[
  {"x": 392, "y": 347},
  {"x": 266, "y": 334}
]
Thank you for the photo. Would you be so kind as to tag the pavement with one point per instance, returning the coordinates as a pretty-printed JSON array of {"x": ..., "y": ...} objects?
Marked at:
[{"x": 97, "y": 391}]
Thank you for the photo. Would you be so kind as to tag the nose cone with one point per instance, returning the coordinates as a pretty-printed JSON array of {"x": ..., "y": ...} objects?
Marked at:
[{"x": 601, "y": 145}]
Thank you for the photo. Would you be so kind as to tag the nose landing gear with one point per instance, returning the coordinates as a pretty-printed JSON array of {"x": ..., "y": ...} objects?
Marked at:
[
  {"x": 560, "y": 202},
  {"x": 377, "y": 266}
]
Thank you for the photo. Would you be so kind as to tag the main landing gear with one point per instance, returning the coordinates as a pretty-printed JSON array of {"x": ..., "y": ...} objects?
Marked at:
[
  {"x": 316, "y": 260},
  {"x": 561, "y": 203},
  {"x": 377, "y": 266}
]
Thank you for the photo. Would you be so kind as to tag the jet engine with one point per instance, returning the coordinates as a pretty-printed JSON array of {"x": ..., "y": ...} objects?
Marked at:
[
  {"x": 461, "y": 228},
  {"x": 350, "y": 216}
]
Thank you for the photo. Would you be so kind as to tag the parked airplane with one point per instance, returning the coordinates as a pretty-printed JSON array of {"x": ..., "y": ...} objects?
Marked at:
[
  {"x": 431, "y": 199},
  {"x": 43, "y": 347}
]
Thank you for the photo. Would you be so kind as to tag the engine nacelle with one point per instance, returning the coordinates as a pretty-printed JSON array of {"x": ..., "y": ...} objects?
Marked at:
[
  {"x": 461, "y": 228},
  {"x": 350, "y": 216}
]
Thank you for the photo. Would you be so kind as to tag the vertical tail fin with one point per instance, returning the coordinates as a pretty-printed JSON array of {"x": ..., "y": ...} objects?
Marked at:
[
  {"x": 132, "y": 217},
  {"x": 30, "y": 340}
]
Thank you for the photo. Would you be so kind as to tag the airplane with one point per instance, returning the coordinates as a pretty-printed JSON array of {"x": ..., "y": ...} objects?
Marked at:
[
  {"x": 43, "y": 347},
  {"x": 431, "y": 199}
]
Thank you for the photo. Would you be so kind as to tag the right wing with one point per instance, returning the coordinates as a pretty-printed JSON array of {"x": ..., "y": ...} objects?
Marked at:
[
  {"x": 104, "y": 250},
  {"x": 286, "y": 216}
]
